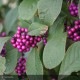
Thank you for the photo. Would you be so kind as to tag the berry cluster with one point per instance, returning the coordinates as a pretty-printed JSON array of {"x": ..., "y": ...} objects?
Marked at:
[
  {"x": 23, "y": 42},
  {"x": 21, "y": 66},
  {"x": 73, "y": 8},
  {"x": 74, "y": 32},
  {"x": 3, "y": 52}
]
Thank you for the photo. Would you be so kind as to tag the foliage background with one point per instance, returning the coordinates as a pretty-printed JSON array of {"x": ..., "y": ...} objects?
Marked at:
[{"x": 60, "y": 56}]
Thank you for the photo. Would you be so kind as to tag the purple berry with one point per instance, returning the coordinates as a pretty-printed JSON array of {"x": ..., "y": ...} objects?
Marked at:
[
  {"x": 26, "y": 30},
  {"x": 31, "y": 38},
  {"x": 23, "y": 47},
  {"x": 18, "y": 40},
  {"x": 14, "y": 45},
  {"x": 18, "y": 46},
  {"x": 22, "y": 29},
  {"x": 19, "y": 28},
  {"x": 69, "y": 32},
  {"x": 18, "y": 32},
  {"x": 45, "y": 41},
  {"x": 12, "y": 41},
  {"x": 76, "y": 27},
  {"x": 75, "y": 34},
  {"x": 76, "y": 22},
  {"x": 39, "y": 39},
  {"x": 24, "y": 40},
  {"x": 18, "y": 36},
  {"x": 27, "y": 36},
  {"x": 72, "y": 29},
  {"x": 23, "y": 37},
  {"x": 33, "y": 45},
  {"x": 3, "y": 34}
]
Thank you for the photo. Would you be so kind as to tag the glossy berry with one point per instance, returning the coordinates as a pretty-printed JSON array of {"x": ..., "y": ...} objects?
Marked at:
[
  {"x": 44, "y": 41},
  {"x": 73, "y": 8},
  {"x": 21, "y": 66}
]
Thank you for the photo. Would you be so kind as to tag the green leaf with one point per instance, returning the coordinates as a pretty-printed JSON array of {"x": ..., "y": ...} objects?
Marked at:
[
  {"x": 27, "y": 54},
  {"x": 10, "y": 19},
  {"x": 9, "y": 46},
  {"x": 57, "y": 27},
  {"x": 3, "y": 40},
  {"x": 34, "y": 66},
  {"x": 1, "y": 27},
  {"x": 71, "y": 62},
  {"x": 27, "y": 9},
  {"x": 54, "y": 51},
  {"x": 49, "y": 10},
  {"x": 2, "y": 65},
  {"x": 37, "y": 29},
  {"x": 11, "y": 61},
  {"x": 24, "y": 24},
  {"x": 14, "y": 28}
]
